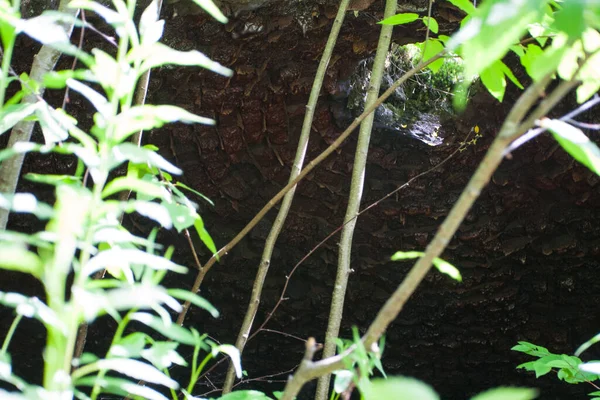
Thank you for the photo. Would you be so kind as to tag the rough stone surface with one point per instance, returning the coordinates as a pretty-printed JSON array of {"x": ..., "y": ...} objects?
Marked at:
[{"x": 528, "y": 251}]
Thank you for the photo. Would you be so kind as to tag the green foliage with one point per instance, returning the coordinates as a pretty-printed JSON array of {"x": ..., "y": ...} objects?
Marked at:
[
  {"x": 568, "y": 368},
  {"x": 443, "y": 266},
  {"x": 84, "y": 234}
]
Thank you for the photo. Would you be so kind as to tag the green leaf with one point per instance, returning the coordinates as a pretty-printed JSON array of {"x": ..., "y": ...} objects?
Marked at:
[
  {"x": 233, "y": 353},
  {"x": 186, "y": 187},
  {"x": 245, "y": 395},
  {"x": 570, "y": 19},
  {"x": 159, "y": 54},
  {"x": 182, "y": 216},
  {"x": 152, "y": 210},
  {"x": 443, "y": 266},
  {"x": 531, "y": 349},
  {"x": 123, "y": 258},
  {"x": 494, "y": 27},
  {"x": 171, "y": 330},
  {"x": 587, "y": 345},
  {"x": 121, "y": 387},
  {"x": 14, "y": 257},
  {"x": 137, "y": 370},
  {"x": 446, "y": 268},
  {"x": 150, "y": 189},
  {"x": 130, "y": 346},
  {"x": 58, "y": 79},
  {"x": 574, "y": 141},
  {"x": 433, "y": 47},
  {"x": 212, "y": 9},
  {"x": 111, "y": 75},
  {"x": 26, "y": 203},
  {"x": 130, "y": 152},
  {"x": 510, "y": 75},
  {"x": 98, "y": 101},
  {"x": 541, "y": 368},
  {"x": 146, "y": 117},
  {"x": 507, "y": 393},
  {"x": 343, "y": 379},
  {"x": 53, "y": 180},
  {"x": 193, "y": 298},
  {"x": 431, "y": 23},
  {"x": 494, "y": 81},
  {"x": 205, "y": 236},
  {"x": 399, "y": 388},
  {"x": 464, "y": 5},
  {"x": 44, "y": 29},
  {"x": 11, "y": 114},
  {"x": 399, "y": 19},
  {"x": 32, "y": 307},
  {"x": 117, "y": 21},
  {"x": 162, "y": 355},
  {"x": 54, "y": 124},
  {"x": 543, "y": 64},
  {"x": 151, "y": 29}
]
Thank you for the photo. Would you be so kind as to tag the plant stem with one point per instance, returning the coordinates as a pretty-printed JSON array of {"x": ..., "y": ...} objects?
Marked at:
[
  {"x": 43, "y": 62},
  {"x": 265, "y": 261},
  {"x": 10, "y": 333},
  {"x": 6, "y": 59},
  {"x": 336, "y": 144},
  {"x": 356, "y": 189}
]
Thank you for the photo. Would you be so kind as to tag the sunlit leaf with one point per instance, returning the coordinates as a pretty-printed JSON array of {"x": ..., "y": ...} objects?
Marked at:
[
  {"x": 591, "y": 367},
  {"x": 233, "y": 353},
  {"x": 26, "y": 203},
  {"x": 43, "y": 28},
  {"x": 464, "y": 5},
  {"x": 162, "y": 355},
  {"x": 575, "y": 142},
  {"x": 31, "y": 307},
  {"x": 121, "y": 387},
  {"x": 146, "y": 117},
  {"x": 245, "y": 395},
  {"x": 126, "y": 257},
  {"x": 130, "y": 152},
  {"x": 442, "y": 265},
  {"x": 399, "y": 19},
  {"x": 494, "y": 27},
  {"x": 150, "y": 189},
  {"x": 137, "y": 370},
  {"x": 98, "y": 101},
  {"x": 53, "y": 180},
  {"x": 159, "y": 54},
  {"x": 507, "y": 393},
  {"x": 494, "y": 81},
  {"x": 14, "y": 257},
  {"x": 58, "y": 79},
  {"x": 130, "y": 346},
  {"x": 194, "y": 299},
  {"x": 431, "y": 48},
  {"x": 212, "y": 9},
  {"x": 152, "y": 210},
  {"x": 205, "y": 236},
  {"x": 11, "y": 114},
  {"x": 399, "y": 388},
  {"x": 431, "y": 23},
  {"x": 182, "y": 216},
  {"x": 171, "y": 331},
  {"x": 342, "y": 381},
  {"x": 570, "y": 18}
]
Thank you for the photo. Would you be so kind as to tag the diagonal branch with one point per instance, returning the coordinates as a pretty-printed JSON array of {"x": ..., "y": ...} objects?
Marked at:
[
  {"x": 335, "y": 145},
  {"x": 265, "y": 261}
]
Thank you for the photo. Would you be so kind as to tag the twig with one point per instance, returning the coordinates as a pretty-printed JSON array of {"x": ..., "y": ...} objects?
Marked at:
[
  {"x": 339, "y": 228},
  {"x": 336, "y": 144},
  {"x": 340, "y": 285},
  {"x": 265, "y": 261},
  {"x": 567, "y": 117}
]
